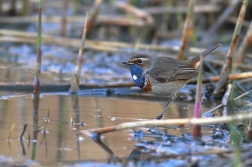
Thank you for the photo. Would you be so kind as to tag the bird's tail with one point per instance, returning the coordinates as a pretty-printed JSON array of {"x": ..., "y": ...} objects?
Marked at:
[{"x": 194, "y": 61}]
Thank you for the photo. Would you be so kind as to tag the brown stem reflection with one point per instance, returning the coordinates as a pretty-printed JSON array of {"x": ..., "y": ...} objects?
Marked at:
[
  {"x": 61, "y": 128},
  {"x": 76, "y": 119},
  {"x": 97, "y": 139},
  {"x": 36, "y": 100}
]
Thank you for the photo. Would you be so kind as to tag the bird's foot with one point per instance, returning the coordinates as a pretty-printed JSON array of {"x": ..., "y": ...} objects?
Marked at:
[{"x": 159, "y": 117}]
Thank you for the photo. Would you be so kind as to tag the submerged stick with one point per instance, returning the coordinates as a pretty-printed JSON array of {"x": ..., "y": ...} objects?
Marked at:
[
  {"x": 167, "y": 122},
  {"x": 187, "y": 31},
  {"x": 230, "y": 56}
]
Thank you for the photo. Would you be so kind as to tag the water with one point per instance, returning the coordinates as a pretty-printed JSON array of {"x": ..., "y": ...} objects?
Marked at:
[{"x": 57, "y": 133}]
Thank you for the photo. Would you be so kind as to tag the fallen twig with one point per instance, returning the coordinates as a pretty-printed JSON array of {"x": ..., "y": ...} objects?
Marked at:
[{"x": 167, "y": 122}]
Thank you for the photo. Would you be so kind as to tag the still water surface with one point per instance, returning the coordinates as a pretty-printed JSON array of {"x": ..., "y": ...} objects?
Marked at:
[{"x": 58, "y": 139}]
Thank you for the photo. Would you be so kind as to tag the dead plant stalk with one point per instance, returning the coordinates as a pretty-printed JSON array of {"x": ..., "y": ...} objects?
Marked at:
[
  {"x": 167, "y": 122},
  {"x": 75, "y": 83},
  {"x": 230, "y": 56}
]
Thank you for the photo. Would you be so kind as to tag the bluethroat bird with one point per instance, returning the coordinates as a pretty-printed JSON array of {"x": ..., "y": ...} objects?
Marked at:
[{"x": 164, "y": 76}]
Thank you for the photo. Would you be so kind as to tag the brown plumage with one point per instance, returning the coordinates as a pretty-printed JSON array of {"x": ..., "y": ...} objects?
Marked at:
[{"x": 163, "y": 75}]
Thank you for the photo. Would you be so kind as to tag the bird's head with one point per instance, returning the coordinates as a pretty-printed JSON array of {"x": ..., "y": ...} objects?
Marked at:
[
  {"x": 139, "y": 66},
  {"x": 142, "y": 61}
]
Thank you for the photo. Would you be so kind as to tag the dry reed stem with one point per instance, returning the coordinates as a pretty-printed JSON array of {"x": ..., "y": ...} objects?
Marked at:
[
  {"x": 12, "y": 36},
  {"x": 93, "y": 15},
  {"x": 168, "y": 122},
  {"x": 75, "y": 83},
  {"x": 234, "y": 20},
  {"x": 145, "y": 16},
  {"x": 201, "y": 8},
  {"x": 64, "y": 19},
  {"x": 246, "y": 43},
  {"x": 187, "y": 31},
  {"x": 230, "y": 56},
  {"x": 226, "y": 102},
  {"x": 249, "y": 132},
  {"x": 36, "y": 89},
  {"x": 12, "y": 127},
  {"x": 196, "y": 129},
  {"x": 107, "y": 20}
]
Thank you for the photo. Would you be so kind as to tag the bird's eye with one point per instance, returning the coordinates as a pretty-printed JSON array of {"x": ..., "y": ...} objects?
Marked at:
[{"x": 139, "y": 61}]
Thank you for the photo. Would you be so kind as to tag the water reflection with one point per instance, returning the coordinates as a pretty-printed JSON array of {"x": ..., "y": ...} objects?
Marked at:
[
  {"x": 36, "y": 100},
  {"x": 56, "y": 123},
  {"x": 61, "y": 128},
  {"x": 76, "y": 123}
]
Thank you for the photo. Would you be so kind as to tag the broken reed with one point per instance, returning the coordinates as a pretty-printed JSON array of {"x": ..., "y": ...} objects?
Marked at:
[{"x": 196, "y": 129}]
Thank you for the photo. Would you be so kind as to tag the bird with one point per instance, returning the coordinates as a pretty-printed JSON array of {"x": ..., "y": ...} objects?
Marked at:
[{"x": 164, "y": 76}]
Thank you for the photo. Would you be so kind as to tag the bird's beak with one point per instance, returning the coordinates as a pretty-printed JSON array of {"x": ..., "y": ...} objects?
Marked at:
[{"x": 127, "y": 63}]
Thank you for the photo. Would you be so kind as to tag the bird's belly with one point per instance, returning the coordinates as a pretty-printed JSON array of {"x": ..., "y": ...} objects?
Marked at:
[{"x": 168, "y": 88}]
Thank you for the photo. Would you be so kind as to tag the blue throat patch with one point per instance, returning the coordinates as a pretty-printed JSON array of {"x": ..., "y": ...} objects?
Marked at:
[{"x": 136, "y": 73}]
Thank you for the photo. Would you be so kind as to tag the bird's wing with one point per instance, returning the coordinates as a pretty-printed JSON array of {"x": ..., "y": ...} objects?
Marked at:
[{"x": 167, "y": 69}]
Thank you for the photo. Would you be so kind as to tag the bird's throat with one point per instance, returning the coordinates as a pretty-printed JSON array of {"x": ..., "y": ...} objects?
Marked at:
[{"x": 137, "y": 75}]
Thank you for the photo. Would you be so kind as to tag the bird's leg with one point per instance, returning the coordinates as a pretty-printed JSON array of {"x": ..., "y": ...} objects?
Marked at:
[{"x": 172, "y": 98}]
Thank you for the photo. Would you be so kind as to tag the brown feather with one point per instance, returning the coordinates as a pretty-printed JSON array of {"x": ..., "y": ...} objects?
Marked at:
[{"x": 166, "y": 69}]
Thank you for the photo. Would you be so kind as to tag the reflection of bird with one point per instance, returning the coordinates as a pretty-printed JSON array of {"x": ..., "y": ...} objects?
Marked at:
[{"x": 164, "y": 76}]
